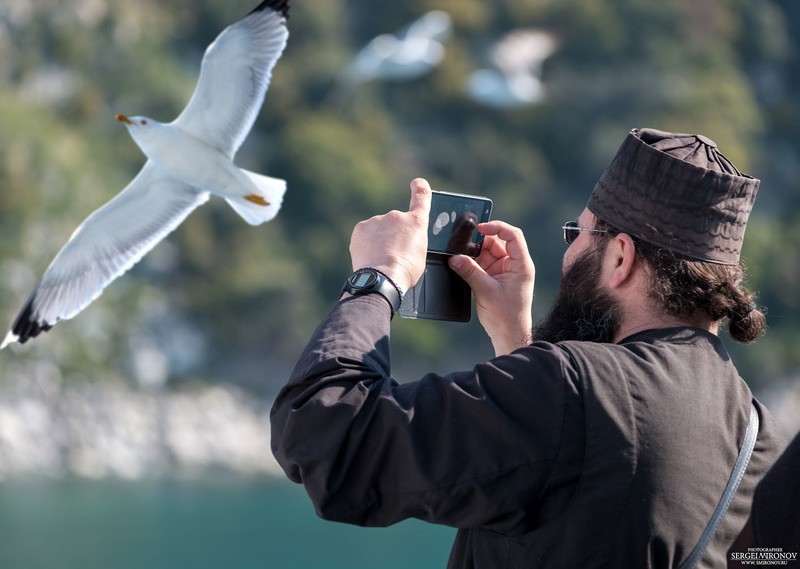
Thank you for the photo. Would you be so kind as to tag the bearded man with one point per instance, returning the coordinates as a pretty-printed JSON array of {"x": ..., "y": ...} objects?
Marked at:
[{"x": 604, "y": 437}]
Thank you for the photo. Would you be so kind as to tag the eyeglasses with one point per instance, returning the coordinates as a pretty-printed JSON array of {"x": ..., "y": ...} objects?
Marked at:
[{"x": 571, "y": 230}]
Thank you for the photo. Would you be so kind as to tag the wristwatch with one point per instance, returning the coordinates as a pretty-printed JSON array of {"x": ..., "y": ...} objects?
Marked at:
[{"x": 368, "y": 281}]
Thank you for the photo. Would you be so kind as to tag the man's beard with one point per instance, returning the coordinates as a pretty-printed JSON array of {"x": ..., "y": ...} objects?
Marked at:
[{"x": 581, "y": 311}]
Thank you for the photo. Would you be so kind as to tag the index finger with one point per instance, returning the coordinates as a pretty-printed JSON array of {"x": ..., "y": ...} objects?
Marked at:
[
  {"x": 516, "y": 246},
  {"x": 420, "y": 197}
]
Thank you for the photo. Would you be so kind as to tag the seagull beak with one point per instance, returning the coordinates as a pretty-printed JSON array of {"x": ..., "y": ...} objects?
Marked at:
[{"x": 123, "y": 118}]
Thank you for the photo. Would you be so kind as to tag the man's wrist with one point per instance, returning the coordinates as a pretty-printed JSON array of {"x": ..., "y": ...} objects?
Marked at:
[{"x": 369, "y": 280}]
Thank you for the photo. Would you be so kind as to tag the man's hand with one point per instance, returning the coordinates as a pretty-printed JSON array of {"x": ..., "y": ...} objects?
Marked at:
[
  {"x": 502, "y": 279},
  {"x": 396, "y": 242}
]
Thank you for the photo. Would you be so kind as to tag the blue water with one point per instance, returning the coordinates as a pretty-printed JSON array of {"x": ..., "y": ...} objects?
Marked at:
[{"x": 219, "y": 524}]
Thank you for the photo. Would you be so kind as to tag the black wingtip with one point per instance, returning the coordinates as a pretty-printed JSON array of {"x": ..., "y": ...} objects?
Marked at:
[
  {"x": 25, "y": 326},
  {"x": 280, "y": 6}
]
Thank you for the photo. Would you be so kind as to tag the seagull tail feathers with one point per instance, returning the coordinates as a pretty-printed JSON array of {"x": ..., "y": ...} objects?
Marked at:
[{"x": 259, "y": 208}]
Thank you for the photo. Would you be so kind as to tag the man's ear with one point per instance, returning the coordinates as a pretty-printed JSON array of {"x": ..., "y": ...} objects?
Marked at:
[{"x": 620, "y": 260}]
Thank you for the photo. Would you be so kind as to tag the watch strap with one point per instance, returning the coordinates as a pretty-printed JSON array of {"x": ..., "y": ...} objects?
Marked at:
[{"x": 383, "y": 286}]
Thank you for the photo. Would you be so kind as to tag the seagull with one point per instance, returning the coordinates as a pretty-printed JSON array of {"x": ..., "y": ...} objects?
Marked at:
[
  {"x": 187, "y": 160},
  {"x": 515, "y": 79},
  {"x": 408, "y": 54}
]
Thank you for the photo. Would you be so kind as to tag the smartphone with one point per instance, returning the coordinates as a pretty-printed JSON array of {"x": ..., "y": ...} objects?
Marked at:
[
  {"x": 453, "y": 222},
  {"x": 452, "y": 230}
]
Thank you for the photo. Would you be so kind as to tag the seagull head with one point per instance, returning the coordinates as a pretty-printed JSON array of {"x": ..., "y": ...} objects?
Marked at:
[
  {"x": 143, "y": 130},
  {"x": 135, "y": 121}
]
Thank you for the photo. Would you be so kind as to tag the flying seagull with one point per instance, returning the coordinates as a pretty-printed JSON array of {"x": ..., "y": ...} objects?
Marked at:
[
  {"x": 187, "y": 160},
  {"x": 516, "y": 77},
  {"x": 409, "y": 54}
]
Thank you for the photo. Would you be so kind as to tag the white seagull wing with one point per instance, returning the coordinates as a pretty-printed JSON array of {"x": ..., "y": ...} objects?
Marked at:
[
  {"x": 108, "y": 243},
  {"x": 234, "y": 76}
]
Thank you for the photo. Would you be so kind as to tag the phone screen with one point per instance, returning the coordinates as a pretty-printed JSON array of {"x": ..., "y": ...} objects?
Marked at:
[{"x": 453, "y": 222}]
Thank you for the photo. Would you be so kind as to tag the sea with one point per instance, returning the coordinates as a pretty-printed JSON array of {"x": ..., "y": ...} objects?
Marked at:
[{"x": 211, "y": 522}]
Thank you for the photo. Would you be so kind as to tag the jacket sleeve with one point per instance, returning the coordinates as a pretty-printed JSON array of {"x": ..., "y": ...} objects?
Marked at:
[{"x": 469, "y": 449}]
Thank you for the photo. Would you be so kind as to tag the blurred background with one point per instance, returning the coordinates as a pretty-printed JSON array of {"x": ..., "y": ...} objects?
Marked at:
[{"x": 137, "y": 434}]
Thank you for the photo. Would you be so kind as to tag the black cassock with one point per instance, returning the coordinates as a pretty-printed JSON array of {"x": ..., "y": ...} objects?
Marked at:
[{"x": 574, "y": 454}]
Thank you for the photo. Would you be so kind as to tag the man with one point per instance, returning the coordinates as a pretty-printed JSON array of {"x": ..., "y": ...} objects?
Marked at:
[{"x": 608, "y": 440}]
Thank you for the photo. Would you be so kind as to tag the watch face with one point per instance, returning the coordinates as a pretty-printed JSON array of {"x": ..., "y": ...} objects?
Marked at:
[
  {"x": 364, "y": 279},
  {"x": 368, "y": 281}
]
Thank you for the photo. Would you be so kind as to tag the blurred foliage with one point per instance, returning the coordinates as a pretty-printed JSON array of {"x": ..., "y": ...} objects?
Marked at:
[{"x": 222, "y": 301}]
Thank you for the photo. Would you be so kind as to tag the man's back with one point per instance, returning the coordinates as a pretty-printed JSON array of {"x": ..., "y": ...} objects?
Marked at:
[
  {"x": 664, "y": 413},
  {"x": 577, "y": 454}
]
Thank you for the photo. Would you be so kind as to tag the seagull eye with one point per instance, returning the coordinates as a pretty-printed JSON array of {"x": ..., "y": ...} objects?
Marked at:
[{"x": 144, "y": 121}]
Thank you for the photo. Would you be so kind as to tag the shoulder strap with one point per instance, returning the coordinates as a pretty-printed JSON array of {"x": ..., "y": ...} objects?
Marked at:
[{"x": 745, "y": 452}]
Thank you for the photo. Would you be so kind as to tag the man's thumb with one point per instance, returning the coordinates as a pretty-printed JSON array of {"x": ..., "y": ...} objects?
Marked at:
[
  {"x": 467, "y": 269},
  {"x": 420, "y": 196}
]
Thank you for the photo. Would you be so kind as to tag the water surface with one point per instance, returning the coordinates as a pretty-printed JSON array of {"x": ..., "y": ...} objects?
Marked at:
[{"x": 225, "y": 523}]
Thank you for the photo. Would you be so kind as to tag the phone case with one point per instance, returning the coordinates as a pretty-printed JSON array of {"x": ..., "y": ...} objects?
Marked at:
[{"x": 439, "y": 295}]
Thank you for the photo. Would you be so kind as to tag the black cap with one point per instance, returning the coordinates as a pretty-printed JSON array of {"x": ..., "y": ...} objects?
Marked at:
[{"x": 676, "y": 191}]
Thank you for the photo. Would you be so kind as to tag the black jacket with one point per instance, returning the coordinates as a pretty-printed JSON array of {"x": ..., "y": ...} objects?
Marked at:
[{"x": 559, "y": 455}]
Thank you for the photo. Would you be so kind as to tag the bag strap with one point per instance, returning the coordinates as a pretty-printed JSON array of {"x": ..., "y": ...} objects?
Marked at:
[{"x": 745, "y": 452}]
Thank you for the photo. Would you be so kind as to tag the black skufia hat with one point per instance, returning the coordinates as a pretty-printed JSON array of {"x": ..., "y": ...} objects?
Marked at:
[{"x": 676, "y": 191}]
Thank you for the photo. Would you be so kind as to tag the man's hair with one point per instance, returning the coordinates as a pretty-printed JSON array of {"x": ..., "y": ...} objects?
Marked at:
[{"x": 684, "y": 287}]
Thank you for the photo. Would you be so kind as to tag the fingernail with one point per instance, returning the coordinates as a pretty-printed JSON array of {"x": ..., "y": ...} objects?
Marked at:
[{"x": 456, "y": 261}]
